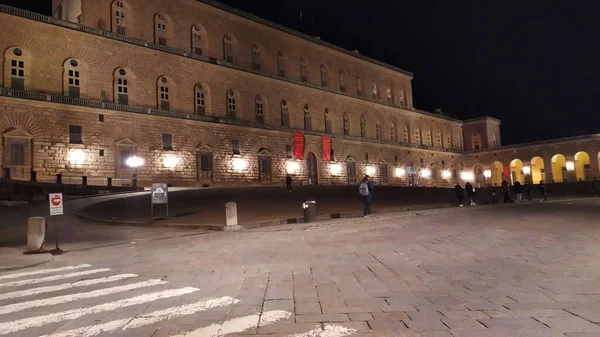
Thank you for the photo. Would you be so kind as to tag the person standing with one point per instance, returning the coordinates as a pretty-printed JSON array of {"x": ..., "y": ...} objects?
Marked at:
[
  {"x": 542, "y": 188},
  {"x": 470, "y": 191},
  {"x": 519, "y": 191},
  {"x": 527, "y": 189},
  {"x": 365, "y": 189},
  {"x": 288, "y": 183},
  {"x": 506, "y": 192},
  {"x": 460, "y": 194}
]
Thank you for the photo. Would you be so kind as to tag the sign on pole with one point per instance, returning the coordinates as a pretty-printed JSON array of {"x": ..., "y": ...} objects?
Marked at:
[
  {"x": 160, "y": 196},
  {"x": 56, "y": 204}
]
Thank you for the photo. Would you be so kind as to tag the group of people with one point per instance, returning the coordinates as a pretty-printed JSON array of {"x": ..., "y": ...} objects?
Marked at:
[{"x": 505, "y": 187}]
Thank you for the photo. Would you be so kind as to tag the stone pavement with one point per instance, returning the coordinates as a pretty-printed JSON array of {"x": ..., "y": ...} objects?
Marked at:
[{"x": 510, "y": 270}]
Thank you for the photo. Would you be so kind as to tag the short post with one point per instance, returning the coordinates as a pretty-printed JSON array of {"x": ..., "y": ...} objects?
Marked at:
[
  {"x": 33, "y": 176},
  {"x": 109, "y": 182},
  {"x": 59, "y": 178},
  {"x": 84, "y": 181},
  {"x": 7, "y": 173},
  {"x": 231, "y": 218}
]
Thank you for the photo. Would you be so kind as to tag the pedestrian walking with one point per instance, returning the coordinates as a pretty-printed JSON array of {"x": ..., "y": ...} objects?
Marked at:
[
  {"x": 528, "y": 191},
  {"x": 542, "y": 188},
  {"x": 365, "y": 189},
  {"x": 506, "y": 192},
  {"x": 519, "y": 191},
  {"x": 460, "y": 194},
  {"x": 288, "y": 183},
  {"x": 470, "y": 193}
]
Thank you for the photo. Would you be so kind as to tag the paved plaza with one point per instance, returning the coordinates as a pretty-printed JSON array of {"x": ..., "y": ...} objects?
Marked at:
[{"x": 502, "y": 270}]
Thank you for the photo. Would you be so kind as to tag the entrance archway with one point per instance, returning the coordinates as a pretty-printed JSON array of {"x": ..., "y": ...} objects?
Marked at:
[
  {"x": 537, "y": 170},
  {"x": 516, "y": 171},
  {"x": 582, "y": 164},
  {"x": 497, "y": 172},
  {"x": 313, "y": 173},
  {"x": 559, "y": 167}
]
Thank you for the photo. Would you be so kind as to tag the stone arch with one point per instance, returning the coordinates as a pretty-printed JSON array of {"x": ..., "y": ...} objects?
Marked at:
[
  {"x": 121, "y": 17},
  {"x": 163, "y": 29},
  {"x": 537, "y": 170},
  {"x": 202, "y": 100},
  {"x": 261, "y": 108},
  {"x": 18, "y": 62},
  {"x": 230, "y": 48},
  {"x": 120, "y": 132},
  {"x": 233, "y": 104},
  {"x": 497, "y": 169},
  {"x": 559, "y": 168},
  {"x": 516, "y": 171},
  {"x": 582, "y": 165}
]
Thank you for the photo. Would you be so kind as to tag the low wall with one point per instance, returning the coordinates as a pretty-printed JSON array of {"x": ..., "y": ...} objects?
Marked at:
[{"x": 37, "y": 191}]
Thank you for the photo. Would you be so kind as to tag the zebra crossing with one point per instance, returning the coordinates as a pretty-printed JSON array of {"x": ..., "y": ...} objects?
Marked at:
[{"x": 39, "y": 291}]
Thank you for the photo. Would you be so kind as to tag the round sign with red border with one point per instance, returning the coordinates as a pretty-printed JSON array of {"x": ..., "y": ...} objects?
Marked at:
[{"x": 56, "y": 200}]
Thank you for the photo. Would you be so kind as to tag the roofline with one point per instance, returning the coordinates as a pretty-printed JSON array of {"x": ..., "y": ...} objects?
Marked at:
[
  {"x": 307, "y": 37},
  {"x": 541, "y": 142},
  {"x": 483, "y": 118},
  {"x": 435, "y": 115}
]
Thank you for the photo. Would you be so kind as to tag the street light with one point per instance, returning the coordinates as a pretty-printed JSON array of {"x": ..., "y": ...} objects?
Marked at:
[
  {"x": 425, "y": 173},
  {"x": 526, "y": 170},
  {"x": 570, "y": 166},
  {"x": 487, "y": 174},
  {"x": 446, "y": 174},
  {"x": 134, "y": 162}
]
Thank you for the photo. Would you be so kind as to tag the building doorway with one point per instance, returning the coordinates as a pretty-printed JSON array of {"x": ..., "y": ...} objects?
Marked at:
[
  {"x": 264, "y": 166},
  {"x": 313, "y": 173}
]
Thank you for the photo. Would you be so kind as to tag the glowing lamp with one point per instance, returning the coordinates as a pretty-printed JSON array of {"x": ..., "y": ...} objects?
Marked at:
[
  {"x": 370, "y": 170},
  {"x": 170, "y": 161},
  {"x": 335, "y": 169},
  {"x": 467, "y": 176},
  {"x": 526, "y": 169},
  {"x": 425, "y": 173},
  {"x": 239, "y": 164},
  {"x": 76, "y": 156},
  {"x": 400, "y": 172},
  {"x": 446, "y": 174},
  {"x": 487, "y": 173},
  {"x": 134, "y": 162},
  {"x": 570, "y": 166},
  {"x": 291, "y": 167}
]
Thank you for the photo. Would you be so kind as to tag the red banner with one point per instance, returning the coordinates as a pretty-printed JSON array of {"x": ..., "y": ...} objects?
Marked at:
[
  {"x": 506, "y": 173},
  {"x": 326, "y": 148},
  {"x": 298, "y": 145}
]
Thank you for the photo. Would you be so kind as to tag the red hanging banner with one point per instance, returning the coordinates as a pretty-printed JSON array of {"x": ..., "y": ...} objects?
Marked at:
[
  {"x": 506, "y": 173},
  {"x": 298, "y": 145},
  {"x": 326, "y": 148}
]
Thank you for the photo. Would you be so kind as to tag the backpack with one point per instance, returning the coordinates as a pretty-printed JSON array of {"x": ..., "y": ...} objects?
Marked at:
[{"x": 363, "y": 189}]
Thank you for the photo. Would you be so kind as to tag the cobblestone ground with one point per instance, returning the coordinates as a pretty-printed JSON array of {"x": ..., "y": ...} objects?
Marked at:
[{"x": 514, "y": 270}]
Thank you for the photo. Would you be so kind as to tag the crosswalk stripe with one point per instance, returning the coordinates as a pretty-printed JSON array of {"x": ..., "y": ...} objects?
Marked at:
[
  {"x": 147, "y": 319},
  {"x": 53, "y": 278},
  {"x": 31, "y": 322},
  {"x": 238, "y": 324},
  {"x": 328, "y": 331},
  {"x": 74, "y": 297},
  {"x": 43, "y": 271},
  {"x": 64, "y": 286}
]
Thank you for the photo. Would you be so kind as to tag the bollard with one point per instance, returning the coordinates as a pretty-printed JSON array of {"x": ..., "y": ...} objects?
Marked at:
[
  {"x": 7, "y": 173},
  {"x": 310, "y": 211},
  {"x": 36, "y": 234},
  {"x": 231, "y": 218},
  {"x": 109, "y": 182},
  {"x": 59, "y": 179},
  {"x": 33, "y": 176},
  {"x": 84, "y": 180}
]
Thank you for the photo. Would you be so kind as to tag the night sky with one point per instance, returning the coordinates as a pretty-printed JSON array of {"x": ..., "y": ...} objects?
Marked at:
[{"x": 533, "y": 64}]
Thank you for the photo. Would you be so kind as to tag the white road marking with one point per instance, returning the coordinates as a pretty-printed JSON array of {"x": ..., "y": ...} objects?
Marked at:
[
  {"x": 238, "y": 324},
  {"x": 64, "y": 286},
  {"x": 53, "y": 278},
  {"x": 42, "y": 271},
  {"x": 26, "y": 323},
  {"x": 329, "y": 331},
  {"x": 147, "y": 319},
  {"x": 74, "y": 297}
]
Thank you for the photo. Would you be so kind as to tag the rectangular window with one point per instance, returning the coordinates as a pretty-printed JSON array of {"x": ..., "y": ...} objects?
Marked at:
[
  {"x": 17, "y": 154},
  {"x": 260, "y": 115},
  {"x": 367, "y": 157},
  {"x": 167, "y": 141},
  {"x": 162, "y": 41},
  {"x": 288, "y": 151},
  {"x": 206, "y": 162},
  {"x": 124, "y": 154},
  {"x": 75, "y": 134},
  {"x": 285, "y": 117},
  {"x": 331, "y": 153},
  {"x": 236, "y": 146},
  {"x": 200, "y": 104},
  {"x": 587, "y": 166},
  {"x": 121, "y": 30},
  {"x": 74, "y": 92}
]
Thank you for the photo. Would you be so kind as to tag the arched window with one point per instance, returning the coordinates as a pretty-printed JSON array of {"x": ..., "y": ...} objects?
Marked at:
[
  {"x": 122, "y": 86},
  {"x": 160, "y": 29},
  {"x": 328, "y": 127},
  {"x": 378, "y": 130},
  {"x": 448, "y": 141},
  {"x": 259, "y": 108},
  {"x": 438, "y": 139},
  {"x": 73, "y": 72},
  {"x": 428, "y": 137},
  {"x": 119, "y": 25},
  {"x": 303, "y": 75},
  {"x": 346, "y": 124},
  {"x": 307, "y": 120},
  {"x": 164, "y": 96},
  {"x": 375, "y": 92},
  {"x": 393, "y": 135},
  {"x": 405, "y": 134},
  {"x": 418, "y": 136},
  {"x": 200, "y": 97},
  {"x": 323, "y": 75},
  {"x": 255, "y": 57},
  {"x": 280, "y": 64},
  {"x": 363, "y": 126},
  {"x": 228, "y": 54},
  {"x": 264, "y": 165},
  {"x": 231, "y": 105},
  {"x": 342, "y": 81},
  {"x": 457, "y": 142},
  {"x": 475, "y": 141},
  {"x": 285, "y": 116},
  {"x": 16, "y": 66},
  {"x": 197, "y": 40},
  {"x": 358, "y": 86}
]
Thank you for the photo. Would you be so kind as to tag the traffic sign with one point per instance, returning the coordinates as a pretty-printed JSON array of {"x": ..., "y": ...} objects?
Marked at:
[
  {"x": 56, "y": 203},
  {"x": 160, "y": 193}
]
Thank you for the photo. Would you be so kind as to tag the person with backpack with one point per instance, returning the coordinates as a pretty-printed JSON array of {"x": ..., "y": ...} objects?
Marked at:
[
  {"x": 460, "y": 194},
  {"x": 365, "y": 189}
]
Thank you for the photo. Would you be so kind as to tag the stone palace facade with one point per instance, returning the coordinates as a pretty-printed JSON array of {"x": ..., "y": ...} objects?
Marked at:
[{"x": 210, "y": 96}]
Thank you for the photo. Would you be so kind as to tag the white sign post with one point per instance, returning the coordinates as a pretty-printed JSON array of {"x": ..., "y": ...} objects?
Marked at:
[
  {"x": 56, "y": 204},
  {"x": 56, "y": 208}
]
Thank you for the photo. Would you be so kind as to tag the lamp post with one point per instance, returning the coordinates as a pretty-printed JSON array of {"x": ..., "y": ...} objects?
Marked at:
[{"x": 134, "y": 162}]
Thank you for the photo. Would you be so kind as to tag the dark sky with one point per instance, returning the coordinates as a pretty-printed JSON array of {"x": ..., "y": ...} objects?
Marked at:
[{"x": 534, "y": 64}]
